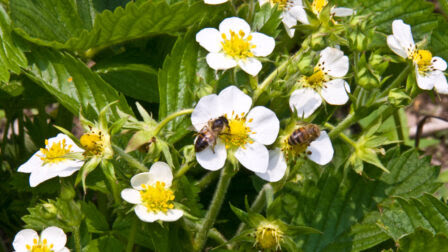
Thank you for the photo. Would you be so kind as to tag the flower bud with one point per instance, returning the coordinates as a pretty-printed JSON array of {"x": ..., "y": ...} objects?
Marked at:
[{"x": 268, "y": 236}]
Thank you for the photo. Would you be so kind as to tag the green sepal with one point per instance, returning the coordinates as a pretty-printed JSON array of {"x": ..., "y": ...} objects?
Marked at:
[
  {"x": 69, "y": 134},
  {"x": 87, "y": 168}
]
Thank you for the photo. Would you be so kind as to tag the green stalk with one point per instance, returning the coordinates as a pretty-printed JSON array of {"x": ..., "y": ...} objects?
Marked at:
[
  {"x": 400, "y": 78},
  {"x": 77, "y": 238},
  {"x": 171, "y": 117},
  {"x": 130, "y": 159},
  {"x": 347, "y": 122},
  {"x": 184, "y": 169},
  {"x": 206, "y": 180},
  {"x": 214, "y": 208},
  {"x": 342, "y": 136},
  {"x": 133, "y": 231}
]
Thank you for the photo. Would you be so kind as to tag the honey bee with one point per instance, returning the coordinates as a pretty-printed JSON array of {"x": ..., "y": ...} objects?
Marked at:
[
  {"x": 208, "y": 135},
  {"x": 304, "y": 135}
]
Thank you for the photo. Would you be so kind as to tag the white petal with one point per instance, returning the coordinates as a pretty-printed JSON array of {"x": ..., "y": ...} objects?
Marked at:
[
  {"x": 208, "y": 108},
  {"x": 321, "y": 149},
  {"x": 402, "y": 33},
  {"x": 264, "y": 45},
  {"x": 212, "y": 161},
  {"x": 254, "y": 157},
  {"x": 334, "y": 62},
  {"x": 342, "y": 12},
  {"x": 264, "y": 123},
  {"x": 40, "y": 176},
  {"x": 334, "y": 92},
  {"x": 305, "y": 101},
  {"x": 299, "y": 13},
  {"x": 171, "y": 215},
  {"x": 438, "y": 63},
  {"x": 143, "y": 214},
  {"x": 32, "y": 164},
  {"x": 66, "y": 168},
  {"x": 214, "y": 2},
  {"x": 235, "y": 24},
  {"x": 210, "y": 39},
  {"x": 396, "y": 47},
  {"x": 219, "y": 61},
  {"x": 262, "y": 2},
  {"x": 131, "y": 195},
  {"x": 64, "y": 249},
  {"x": 140, "y": 179},
  {"x": 440, "y": 85},
  {"x": 234, "y": 101},
  {"x": 290, "y": 31},
  {"x": 276, "y": 167},
  {"x": 289, "y": 21},
  {"x": 23, "y": 238},
  {"x": 68, "y": 141},
  {"x": 250, "y": 65},
  {"x": 425, "y": 82},
  {"x": 55, "y": 236},
  {"x": 161, "y": 171}
]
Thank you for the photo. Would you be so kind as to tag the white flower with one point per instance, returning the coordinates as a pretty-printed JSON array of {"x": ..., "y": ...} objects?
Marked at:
[
  {"x": 248, "y": 132},
  {"x": 319, "y": 151},
  {"x": 292, "y": 10},
  {"x": 317, "y": 6},
  {"x": 428, "y": 69},
  {"x": 152, "y": 195},
  {"x": 234, "y": 44},
  {"x": 215, "y": 2},
  {"x": 51, "y": 239},
  {"x": 325, "y": 83},
  {"x": 53, "y": 161}
]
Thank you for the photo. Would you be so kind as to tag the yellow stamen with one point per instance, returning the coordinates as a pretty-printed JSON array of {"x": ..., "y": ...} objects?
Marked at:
[
  {"x": 237, "y": 134},
  {"x": 281, "y": 3},
  {"x": 316, "y": 81},
  {"x": 238, "y": 46},
  {"x": 423, "y": 59},
  {"x": 40, "y": 247},
  {"x": 93, "y": 142},
  {"x": 268, "y": 236},
  {"x": 157, "y": 198},
  {"x": 55, "y": 153},
  {"x": 318, "y": 5}
]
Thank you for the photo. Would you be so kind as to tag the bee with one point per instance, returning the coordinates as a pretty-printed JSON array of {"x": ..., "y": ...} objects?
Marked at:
[
  {"x": 208, "y": 135},
  {"x": 304, "y": 135}
]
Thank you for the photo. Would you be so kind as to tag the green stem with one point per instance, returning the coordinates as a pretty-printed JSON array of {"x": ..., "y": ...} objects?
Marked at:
[
  {"x": 207, "y": 179},
  {"x": 214, "y": 208},
  {"x": 133, "y": 231},
  {"x": 130, "y": 159},
  {"x": 184, "y": 168},
  {"x": 399, "y": 126},
  {"x": 347, "y": 122},
  {"x": 77, "y": 238},
  {"x": 342, "y": 136},
  {"x": 276, "y": 73},
  {"x": 171, "y": 117},
  {"x": 400, "y": 78}
]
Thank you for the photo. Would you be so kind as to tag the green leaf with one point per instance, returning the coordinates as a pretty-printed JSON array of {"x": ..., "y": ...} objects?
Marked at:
[
  {"x": 267, "y": 20},
  {"x": 57, "y": 23},
  {"x": 135, "y": 80},
  {"x": 405, "y": 215},
  {"x": 423, "y": 240},
  {"x": 439, "y": 40},
  {"x": 95, "y": 220},
  {"x": 104, "y": 243},
  {"x": 73, "y": 84},
  {"x": 182, "y": 73},
  {"x": 337, "y": 202},
  {"x": 11, "y": 57}
]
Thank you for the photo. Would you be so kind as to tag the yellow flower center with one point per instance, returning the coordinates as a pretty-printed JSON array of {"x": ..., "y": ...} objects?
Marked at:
[
  {"x": 237, "y": 46},
  {"x": 281, "y": 3},
  {"x": 40, "y": 247},
  {"x": 316, "y": 81},
  {"x": 93, "y": 142},
  {"x": 55, "y": 153},
  {"x": 157, "y": 198},
  {"x": 423, "y": 59},
  {"x": 268, "y": 236},
  {"x": 238, "y": 133},
  {"x": 318, "y": 5}
]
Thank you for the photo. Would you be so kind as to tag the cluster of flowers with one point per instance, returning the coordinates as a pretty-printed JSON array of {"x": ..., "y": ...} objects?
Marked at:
[{"x": 244, "y": 131}]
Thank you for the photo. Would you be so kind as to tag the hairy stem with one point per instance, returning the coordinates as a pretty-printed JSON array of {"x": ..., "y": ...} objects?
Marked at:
[
  {"x": 347, "y": 122},
  {"x": 214, "y": 208},
  {"x": 77, "y": 237},
  {"x": 183, "y": 169},
  {"x": 171, "y": 117},
  {"x": 344, "y": 137},
  {"x": 131, "y": 239},
  {"x": 400, "y": 78},
  {"x": 207, "y": 179},
  {"x": 130, "y": 159}
]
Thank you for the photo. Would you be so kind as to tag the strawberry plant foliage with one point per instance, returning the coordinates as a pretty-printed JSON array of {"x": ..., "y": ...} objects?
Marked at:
[{"x": 193, "y": 125}]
